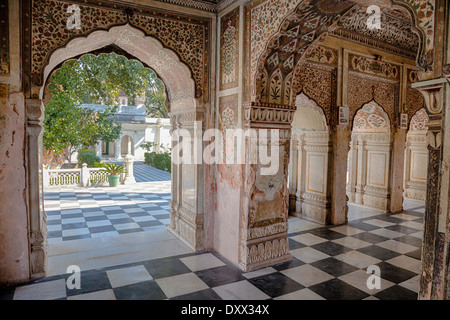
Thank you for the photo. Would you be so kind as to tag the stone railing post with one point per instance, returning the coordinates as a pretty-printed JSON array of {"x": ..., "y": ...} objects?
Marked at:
[
  {"x": 84, "y": 176},
  {"x": 45, "y": 178},
  {"x": 129, "y": 175}
]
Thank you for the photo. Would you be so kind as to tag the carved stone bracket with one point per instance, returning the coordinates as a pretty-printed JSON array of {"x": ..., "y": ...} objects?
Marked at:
[
  {"x": 258, "y": 113},
  {"x": 433, "y": 96},
  {"x": 35, "y": 112}
]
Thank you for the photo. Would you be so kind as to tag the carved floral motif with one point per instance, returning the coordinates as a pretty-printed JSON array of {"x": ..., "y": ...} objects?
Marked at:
[
  {"x": 229, "y": 50},
  {"x": 185, "y": 36}
]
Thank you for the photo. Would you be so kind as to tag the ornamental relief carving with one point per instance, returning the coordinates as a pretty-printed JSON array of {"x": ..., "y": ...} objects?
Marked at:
[
  {"x": 313, "y": 197},
  {"x": 379, "y": 191},
  {"x": 260, "y": 232},
  {"x": 365, "y": 88},
  {"x": 319, "y": 84},
  {"x": 185, "y": 118},
  {"x": 269, "y": 113},
  {"x": 267, "y": 251},
  {"x": 182, "y": 34}
]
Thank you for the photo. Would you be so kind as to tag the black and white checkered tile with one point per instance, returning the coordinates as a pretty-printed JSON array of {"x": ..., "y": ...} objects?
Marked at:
[
  {"x": 328, "y": 263},
  {"x": 77, "y": 213},
  {"x": 145, "y": 173}
]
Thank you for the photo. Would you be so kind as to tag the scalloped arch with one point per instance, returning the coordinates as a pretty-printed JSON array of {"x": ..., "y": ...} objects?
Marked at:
[
  {"x": 303, "y": 28},
  {"x": 371, "y": 117},
  {"x": 302, "y": 100},
  {"x": 174, "y": 73}
]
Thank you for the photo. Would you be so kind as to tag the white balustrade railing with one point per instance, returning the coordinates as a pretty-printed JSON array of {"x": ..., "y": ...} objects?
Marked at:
[
  {"x": 84, "y": 177},
  {"x": 98, "y": 176},
  {"x": 63, "y": 177}
]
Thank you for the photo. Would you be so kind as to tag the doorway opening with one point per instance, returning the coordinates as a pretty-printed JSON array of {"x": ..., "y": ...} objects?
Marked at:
[{"x": 93, "y": 102}]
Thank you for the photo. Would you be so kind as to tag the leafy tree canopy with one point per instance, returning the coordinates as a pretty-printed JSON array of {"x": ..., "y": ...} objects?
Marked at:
[{"x": 96, "y": 80}]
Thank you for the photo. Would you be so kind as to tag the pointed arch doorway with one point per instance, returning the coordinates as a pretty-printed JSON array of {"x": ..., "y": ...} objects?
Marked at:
[{"x": 187, "y": 213}]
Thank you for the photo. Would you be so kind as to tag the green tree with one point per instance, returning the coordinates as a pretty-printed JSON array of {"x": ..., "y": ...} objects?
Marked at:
[
  {"x": 68, "y": 126},
  {"x": 156, "y": 100},
  {"x": 96, "y": 80}
]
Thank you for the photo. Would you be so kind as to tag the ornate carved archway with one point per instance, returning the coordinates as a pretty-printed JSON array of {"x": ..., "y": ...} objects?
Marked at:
[{"x": 187, "y": 214}]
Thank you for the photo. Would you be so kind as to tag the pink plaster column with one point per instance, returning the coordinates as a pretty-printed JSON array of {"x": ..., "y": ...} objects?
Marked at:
[
  {"x": 265, "y": 202},
  {"x": 398, "y": 170},
  {"x": 339, "y": 208},
  {"x": 14, "y": 250}
]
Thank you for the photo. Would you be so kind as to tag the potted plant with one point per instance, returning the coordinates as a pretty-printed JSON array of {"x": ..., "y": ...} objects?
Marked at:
[{"x": 114, "y": 171}]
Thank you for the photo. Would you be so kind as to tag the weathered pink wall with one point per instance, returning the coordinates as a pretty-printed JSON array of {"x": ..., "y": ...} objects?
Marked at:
[{"x": 14, "y": 263}]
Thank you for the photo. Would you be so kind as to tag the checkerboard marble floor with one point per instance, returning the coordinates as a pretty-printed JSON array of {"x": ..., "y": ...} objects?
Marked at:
[
  {"x": 145, "y": 173},
  {"x": 78, "y": 213},
  {"x": 328, "y": 263}
]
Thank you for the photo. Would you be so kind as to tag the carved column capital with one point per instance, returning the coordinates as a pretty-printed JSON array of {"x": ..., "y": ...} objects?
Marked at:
[
  {"x": 434, "y": 101},
  {"x": 433, "y": 96},
  {"x": 186, "y": 118},
  {"x": 35, "y": 116},
  {"x": 35, "y": 110},
  {"x": 268, "y": 114}
]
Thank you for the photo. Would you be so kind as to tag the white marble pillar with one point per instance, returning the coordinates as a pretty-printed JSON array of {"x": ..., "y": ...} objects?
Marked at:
[
  {"x": 129, "y": 175},
  {"x": 99, "y": 149},
  {"x": 301, "y": 163},
  {"x": 129, "y": 146},
  {"x": 293, "y": 165},
  {"x": 352, "y": 170},
  {"x": 361, "y": 171},
  {"x": 117, "y": 149},
  {"x": 397, "y": 165}
]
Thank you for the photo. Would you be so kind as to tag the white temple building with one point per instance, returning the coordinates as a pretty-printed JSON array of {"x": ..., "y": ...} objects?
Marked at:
[{"x": 137, "y": 129}]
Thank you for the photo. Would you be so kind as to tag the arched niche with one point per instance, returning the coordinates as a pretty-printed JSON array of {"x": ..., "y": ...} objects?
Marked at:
[
  {"x": 279, "y": 58},
  {"x": 309, "y": 116},
  {"x": 369, "y": 161},
  {"x": 308, "y": 169},
  {"x": 371, "y": 118}
]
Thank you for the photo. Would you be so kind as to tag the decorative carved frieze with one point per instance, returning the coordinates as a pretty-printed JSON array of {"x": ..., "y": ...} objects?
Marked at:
[
  {"x": 190, "y": 216},
  {"x": 209, "y": 6},
  {"x": 377, "y": 202},
  {"x": 314, "y": 197},
  {"x": 264, "y": 253},
  {"x": 182, "y": 118},
  {"x": 267, "y": 113},
  {"x": 188, "y": 225},
  {"x": 379, "y": 191},
  {"x": 260, "y": 232}
]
